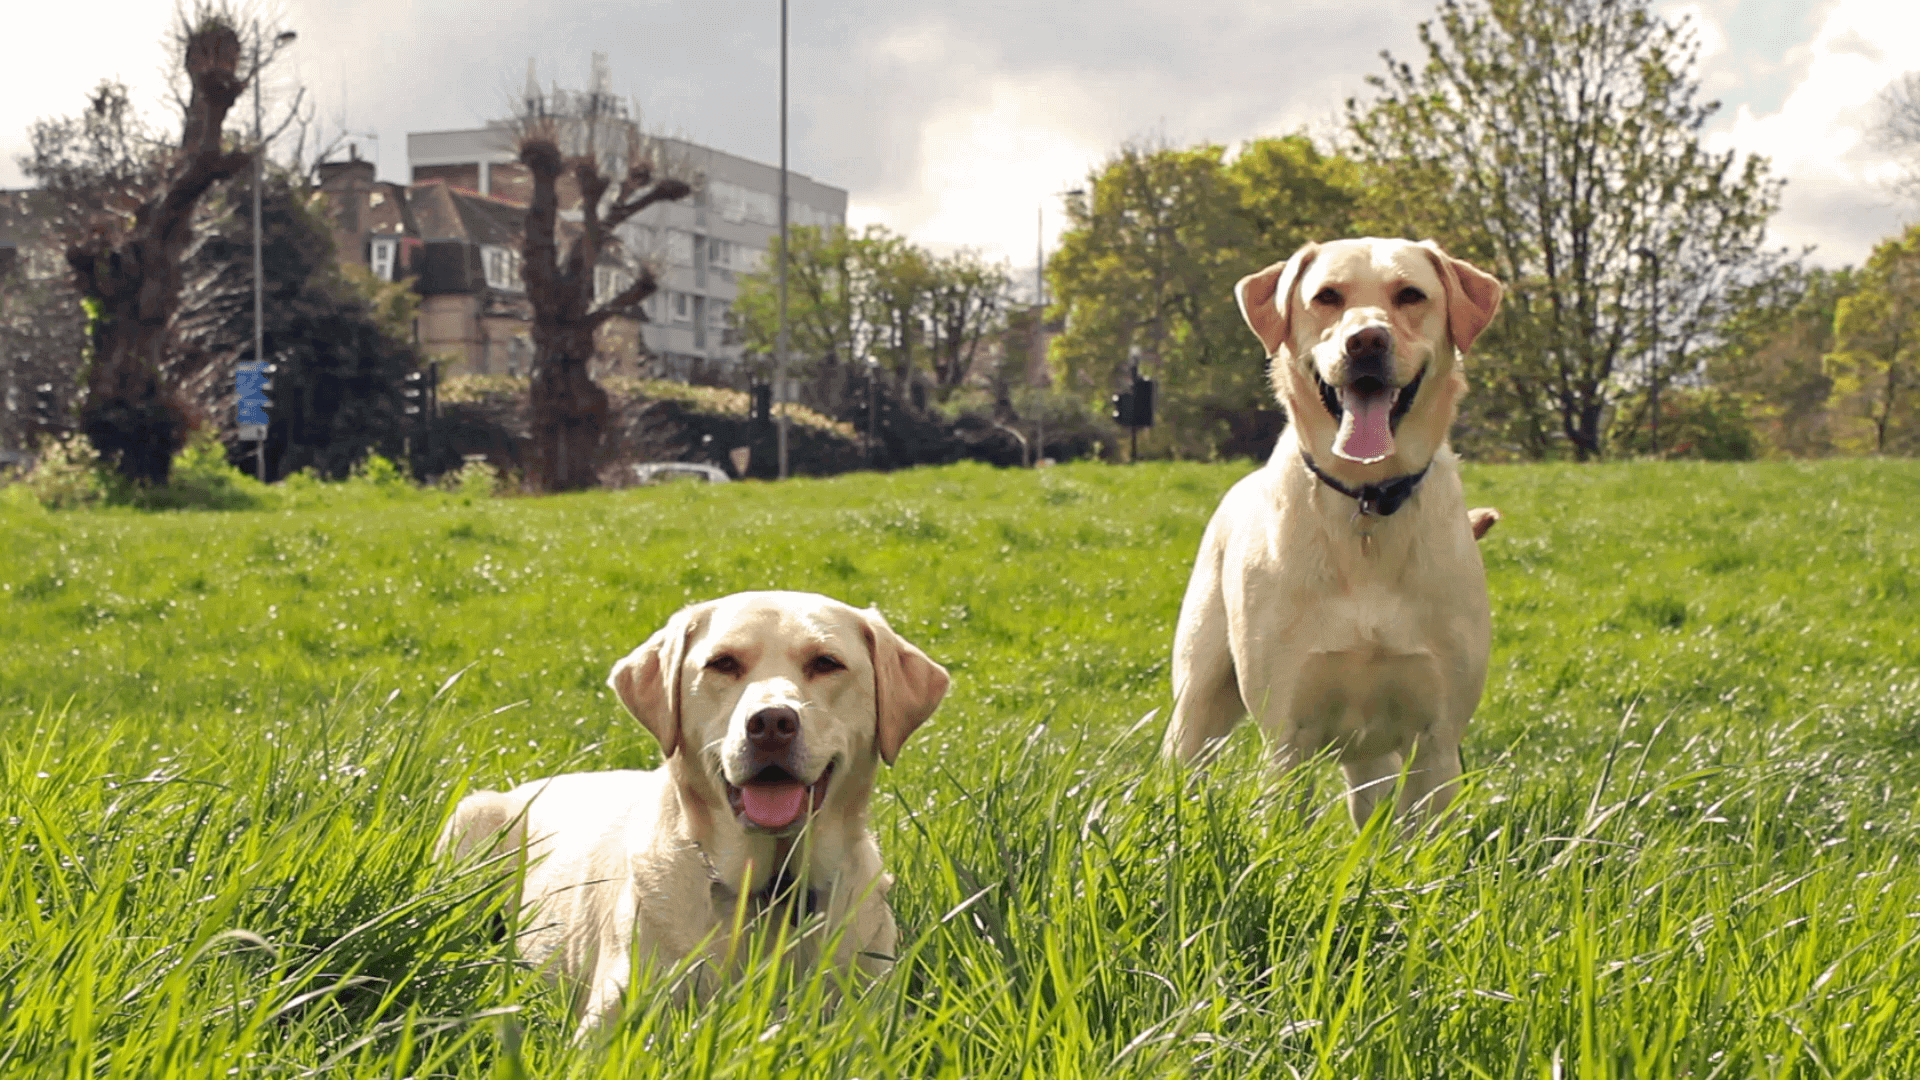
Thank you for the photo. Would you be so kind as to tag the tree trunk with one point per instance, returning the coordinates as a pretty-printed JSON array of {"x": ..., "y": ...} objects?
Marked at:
[
  {"x": 134, "y": 278},
  {"x": 570, "y": 414}
]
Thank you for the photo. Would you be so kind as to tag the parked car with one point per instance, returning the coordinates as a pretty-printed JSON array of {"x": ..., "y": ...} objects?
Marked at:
[{"x": 660, "y": 472}]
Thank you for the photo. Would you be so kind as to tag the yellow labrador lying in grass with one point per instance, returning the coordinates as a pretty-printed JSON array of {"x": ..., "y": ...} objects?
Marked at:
[
  {"x": 774, "y": 710},
  {"x": 1338, "y": 596}
]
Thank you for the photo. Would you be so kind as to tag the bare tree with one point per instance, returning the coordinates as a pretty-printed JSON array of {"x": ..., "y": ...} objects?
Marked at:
[
  {"x": 126, "y": 254},
  {"x": 1898, "y": 131},
  {"x": 616, "y": 172}
]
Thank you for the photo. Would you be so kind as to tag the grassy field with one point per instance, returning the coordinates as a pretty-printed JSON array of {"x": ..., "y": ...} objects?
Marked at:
[{"x": 1689, "y": 847}]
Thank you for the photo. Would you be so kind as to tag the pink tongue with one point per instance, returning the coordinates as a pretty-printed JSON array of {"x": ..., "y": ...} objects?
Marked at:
[
  {"x": 772, "y": 806},
  {"x": 1364, "y": 436}
]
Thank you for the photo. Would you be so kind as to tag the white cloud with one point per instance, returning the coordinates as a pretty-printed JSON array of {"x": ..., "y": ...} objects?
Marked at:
[{"x": 1820, "y": 139}]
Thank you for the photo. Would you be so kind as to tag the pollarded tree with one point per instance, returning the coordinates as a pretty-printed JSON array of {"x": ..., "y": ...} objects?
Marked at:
[
  {"x": 1875, "y": 361},
  {"x": 127, "y": 259},
  {"x": 616, "y": 172},
  {"x": 1558, "y": 146}
]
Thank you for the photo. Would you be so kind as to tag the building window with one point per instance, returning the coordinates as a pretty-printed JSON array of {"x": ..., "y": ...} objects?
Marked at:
[
  {"x": 609, "y": 282},
  {"x": 679, "y": 247},
  {"x": 383, "y": 257},
  {"x": 737, "y": 203},
  {"x": 680, "y": 307},
  {"x": 503, "y": 268},
  {"x": 717, "y": 314}
]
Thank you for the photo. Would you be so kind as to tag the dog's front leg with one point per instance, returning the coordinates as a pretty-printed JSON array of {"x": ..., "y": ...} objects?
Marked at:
[
  {"x": 1431, "y": 780},
  {"x": 610, "y": 971},
  {"x": 1369, "y": 780}
]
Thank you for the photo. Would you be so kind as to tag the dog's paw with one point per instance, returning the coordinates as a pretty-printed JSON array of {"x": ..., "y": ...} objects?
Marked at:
[{"x": 1483, "y": 519}]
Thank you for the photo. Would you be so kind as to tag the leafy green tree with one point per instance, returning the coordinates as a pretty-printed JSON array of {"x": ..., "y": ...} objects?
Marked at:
[
  {"x": 1558, "y": 146},
  {"x": 1875, "y": 363},
  {"x": 1772, "y": 358},
  {"x": 966, "y": 301},
  {"x": 340, "y": 336},
  {"x": 824, "y": 324},
  {"x": 873, "y": 294},
  {"x": 1145, "y": 272}
]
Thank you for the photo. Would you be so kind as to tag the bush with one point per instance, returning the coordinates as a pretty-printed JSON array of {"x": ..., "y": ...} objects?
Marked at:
[
  {"x": 1706, "y": 424},
  {"x": 67, "y": 474},
  {"x": 201, "y": 479},
  {"x": 475, "y": 479}
]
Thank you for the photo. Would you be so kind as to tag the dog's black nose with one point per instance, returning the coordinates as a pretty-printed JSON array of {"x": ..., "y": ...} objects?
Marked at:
[
  {"x": 1369, "y": 341},
  {"x": 773, "y": 728}
]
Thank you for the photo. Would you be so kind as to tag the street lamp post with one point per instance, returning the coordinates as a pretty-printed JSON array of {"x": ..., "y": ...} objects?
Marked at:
[
  {"x": 780, "y": 338},
  {"x": 1653, "y": 321},
  {"x": 259, "y": 178},
  {"x": 1040, "y": 312},
  {"x": 873, "y": 407}
]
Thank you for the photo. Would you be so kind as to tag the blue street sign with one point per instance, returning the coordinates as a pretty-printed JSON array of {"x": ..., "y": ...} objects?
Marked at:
[{"x": 250, "y": 386}]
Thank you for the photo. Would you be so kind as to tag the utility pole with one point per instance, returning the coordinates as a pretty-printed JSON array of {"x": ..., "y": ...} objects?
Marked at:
[
  {"x": 780, "y": 342},
  {"x": 259, "y": 304}
]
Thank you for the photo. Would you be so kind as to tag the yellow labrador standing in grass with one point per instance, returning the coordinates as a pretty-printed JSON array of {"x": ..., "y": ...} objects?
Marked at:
[
  {"x": 1338, "y": 596},
  {"x": 774, "y": 710}
]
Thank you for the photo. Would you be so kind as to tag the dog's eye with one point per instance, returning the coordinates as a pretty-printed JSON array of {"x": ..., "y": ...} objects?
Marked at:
[
  {"x": 1327, "y": 296},
  {"x": 725, "y": 665},
  {"x": 1408, "y": 295},
  {"x": 824, "y": 665}
]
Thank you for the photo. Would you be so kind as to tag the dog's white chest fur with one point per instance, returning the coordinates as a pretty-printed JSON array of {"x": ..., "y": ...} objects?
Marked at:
[{"x": 1330, "y": 642}]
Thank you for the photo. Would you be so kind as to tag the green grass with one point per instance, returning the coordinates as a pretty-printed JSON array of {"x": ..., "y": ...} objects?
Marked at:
[{"x": 1688, "y": 850}]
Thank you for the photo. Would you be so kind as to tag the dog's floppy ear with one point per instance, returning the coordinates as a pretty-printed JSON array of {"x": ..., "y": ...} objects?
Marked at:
[
  {"x": 1473, "y": 295},
  {"x": 907, "y": 686},
  {"x": 1266, "y": 298},
  {"x": 647, "y": 680}
]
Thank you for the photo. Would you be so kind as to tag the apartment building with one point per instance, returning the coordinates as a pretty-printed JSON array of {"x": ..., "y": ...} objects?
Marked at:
[{"x": 697, "y": 246}]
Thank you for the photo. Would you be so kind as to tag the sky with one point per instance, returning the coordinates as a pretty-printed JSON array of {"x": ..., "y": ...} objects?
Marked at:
[{"x": 959, "y": 124}]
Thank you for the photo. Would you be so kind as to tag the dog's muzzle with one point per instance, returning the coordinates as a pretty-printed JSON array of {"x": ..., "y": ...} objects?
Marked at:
[{"x": 1368, "y": 407}]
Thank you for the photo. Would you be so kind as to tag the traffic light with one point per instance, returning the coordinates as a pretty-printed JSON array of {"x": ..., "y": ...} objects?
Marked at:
[
  {"x": 43, "y": 405},
  {"x": 1133, "y": 408},
  {"x": 414, "y": 391},
  {"x": 763, "y": 403},
  {"x": 1142, "y": 402}
]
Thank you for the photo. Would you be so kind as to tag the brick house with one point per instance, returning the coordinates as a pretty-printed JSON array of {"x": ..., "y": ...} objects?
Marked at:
[{"x": 461, "y": 248}]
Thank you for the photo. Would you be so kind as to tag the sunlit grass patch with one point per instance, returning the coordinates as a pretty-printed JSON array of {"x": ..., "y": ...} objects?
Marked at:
[{"x": 1687, "y": 847}]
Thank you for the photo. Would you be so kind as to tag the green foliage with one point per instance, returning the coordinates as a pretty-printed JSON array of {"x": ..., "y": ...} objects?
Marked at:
[
  {"x": 66, "y": 474},
  {"x": 1875, "y": 363},
  {"x": 201, "y": 479},
  {"x": 475, "y": 480},
  {"x": 717, "y": 400},
  {"x": 341, "y": 337},
  {"x": 1773, "y": 357},
  {"x": 1146, "y": 270},
  {"x": 1703, "y": 423},
  {"x": 873, "y": 294},
  {"x": 1558, "y": 146},
  {"x": 1689, "y": 846}
]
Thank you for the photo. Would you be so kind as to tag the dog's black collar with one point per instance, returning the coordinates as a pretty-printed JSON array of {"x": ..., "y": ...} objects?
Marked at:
[
  {"x": 1376, "y": 500},
  {"x": 781, "y": 889}
]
